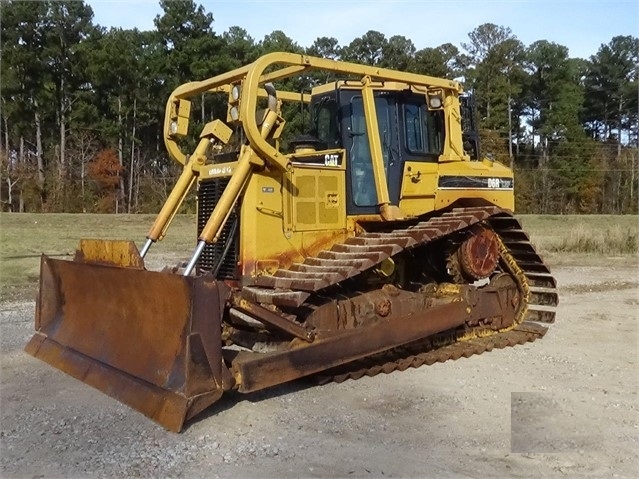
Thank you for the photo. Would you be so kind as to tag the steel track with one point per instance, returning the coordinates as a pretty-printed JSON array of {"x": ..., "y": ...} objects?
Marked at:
[
  {"x": 428, "y": 352},
  {"x": 292, "y": 287}
]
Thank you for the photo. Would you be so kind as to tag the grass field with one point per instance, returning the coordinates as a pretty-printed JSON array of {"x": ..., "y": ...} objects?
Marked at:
[
  {"x": 586, "y": 234},
  {"x": 24, "y": 237}
]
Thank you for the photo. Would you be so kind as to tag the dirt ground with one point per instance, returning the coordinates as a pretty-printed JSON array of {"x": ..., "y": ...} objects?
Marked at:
[{"x": 564, "y": 406}]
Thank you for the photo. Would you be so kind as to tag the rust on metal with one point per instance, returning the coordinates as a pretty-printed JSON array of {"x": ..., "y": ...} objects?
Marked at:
[
  {"x": 273, "y": 319},
  {"x": 260, "y": 371},
  {"x": 427, "y": 352},
  {"x": 478, "y": 254},
  {"x": 157, "y": 350},
  {"x": 156, "y": 341},
  {"x": 414, "y": 317},
  {"x": 370, "y": 249},
  {"x": 543, "y": 286}
]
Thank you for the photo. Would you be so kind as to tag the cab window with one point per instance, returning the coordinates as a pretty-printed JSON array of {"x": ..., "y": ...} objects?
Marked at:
[
  {"x": 424, "y": 131},
  {"x": 326, "y": 122}
]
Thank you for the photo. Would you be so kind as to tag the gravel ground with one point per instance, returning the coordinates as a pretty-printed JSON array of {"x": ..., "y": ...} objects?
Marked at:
[{"x": 564, "y": 406}]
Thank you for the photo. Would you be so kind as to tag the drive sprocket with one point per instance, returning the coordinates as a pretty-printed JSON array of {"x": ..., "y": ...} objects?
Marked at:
[{"x": 476, "y": 257}]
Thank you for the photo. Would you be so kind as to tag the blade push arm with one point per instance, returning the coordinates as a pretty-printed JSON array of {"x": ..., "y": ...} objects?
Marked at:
[{"x": 214, "y": 131}]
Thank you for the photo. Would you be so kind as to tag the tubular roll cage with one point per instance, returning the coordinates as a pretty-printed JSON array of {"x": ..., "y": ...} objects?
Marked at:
[{"x": 252, "y": 76}]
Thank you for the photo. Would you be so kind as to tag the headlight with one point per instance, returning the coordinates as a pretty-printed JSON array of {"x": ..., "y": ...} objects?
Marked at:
[
  {"x": 235, "y": 92},
  {"x": 435, "y": 102}
]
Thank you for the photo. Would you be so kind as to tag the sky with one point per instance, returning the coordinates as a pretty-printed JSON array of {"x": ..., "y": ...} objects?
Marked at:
[{"x": 581, "y": 25}]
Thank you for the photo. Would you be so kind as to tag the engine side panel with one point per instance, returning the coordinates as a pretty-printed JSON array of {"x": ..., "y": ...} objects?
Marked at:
[{"x": 288, "y": 217}]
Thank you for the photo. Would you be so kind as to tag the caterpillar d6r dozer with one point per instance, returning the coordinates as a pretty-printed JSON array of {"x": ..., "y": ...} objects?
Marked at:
[{"x": 377, "y": 241}]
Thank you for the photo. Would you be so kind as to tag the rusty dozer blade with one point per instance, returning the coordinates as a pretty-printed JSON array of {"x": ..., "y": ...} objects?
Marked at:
[{"x": 150, "y": 340}]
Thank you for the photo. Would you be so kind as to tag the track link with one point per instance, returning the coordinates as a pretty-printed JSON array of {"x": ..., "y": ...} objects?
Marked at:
[
  {"x": 430, "y": 351},
  {"x": 543, "y": 286}
]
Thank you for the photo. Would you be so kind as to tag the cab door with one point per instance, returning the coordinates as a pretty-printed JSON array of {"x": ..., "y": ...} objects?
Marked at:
[{"x": 360, "y": 181}]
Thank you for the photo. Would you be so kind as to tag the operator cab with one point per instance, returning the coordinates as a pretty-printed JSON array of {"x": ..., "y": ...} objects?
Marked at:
[{"x": 408, "y": 131}]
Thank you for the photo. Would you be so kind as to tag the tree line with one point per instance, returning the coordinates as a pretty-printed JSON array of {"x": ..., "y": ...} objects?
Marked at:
[{"x": 82, "y": 106}]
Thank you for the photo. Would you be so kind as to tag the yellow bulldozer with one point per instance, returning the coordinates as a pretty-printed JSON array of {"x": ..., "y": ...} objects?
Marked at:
[{"x": 378, "y": 240}]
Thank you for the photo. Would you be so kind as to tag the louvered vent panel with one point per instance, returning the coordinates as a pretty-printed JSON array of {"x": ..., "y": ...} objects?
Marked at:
[{"x": 209, "y": 193}]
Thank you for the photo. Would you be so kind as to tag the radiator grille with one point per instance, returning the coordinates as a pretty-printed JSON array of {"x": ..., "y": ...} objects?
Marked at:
[{"x": 209, "y": 193}]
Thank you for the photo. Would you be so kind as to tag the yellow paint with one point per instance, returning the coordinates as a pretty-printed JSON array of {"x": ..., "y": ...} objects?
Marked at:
[
  {"x": 271, "y": 234},
  {"x": 502, "y": 198},
  {"x": 419, "y": 182},
  {"x": 453, "y": 150},
  {"x": 293, "y": 205},
  {"x": 179, "y": 118},
  {"x": 386, "y": 268},
  {"x": 314, "y": 198},
  {"x": 217, "y": 129},
  {"x": 114, "y": 252}
]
